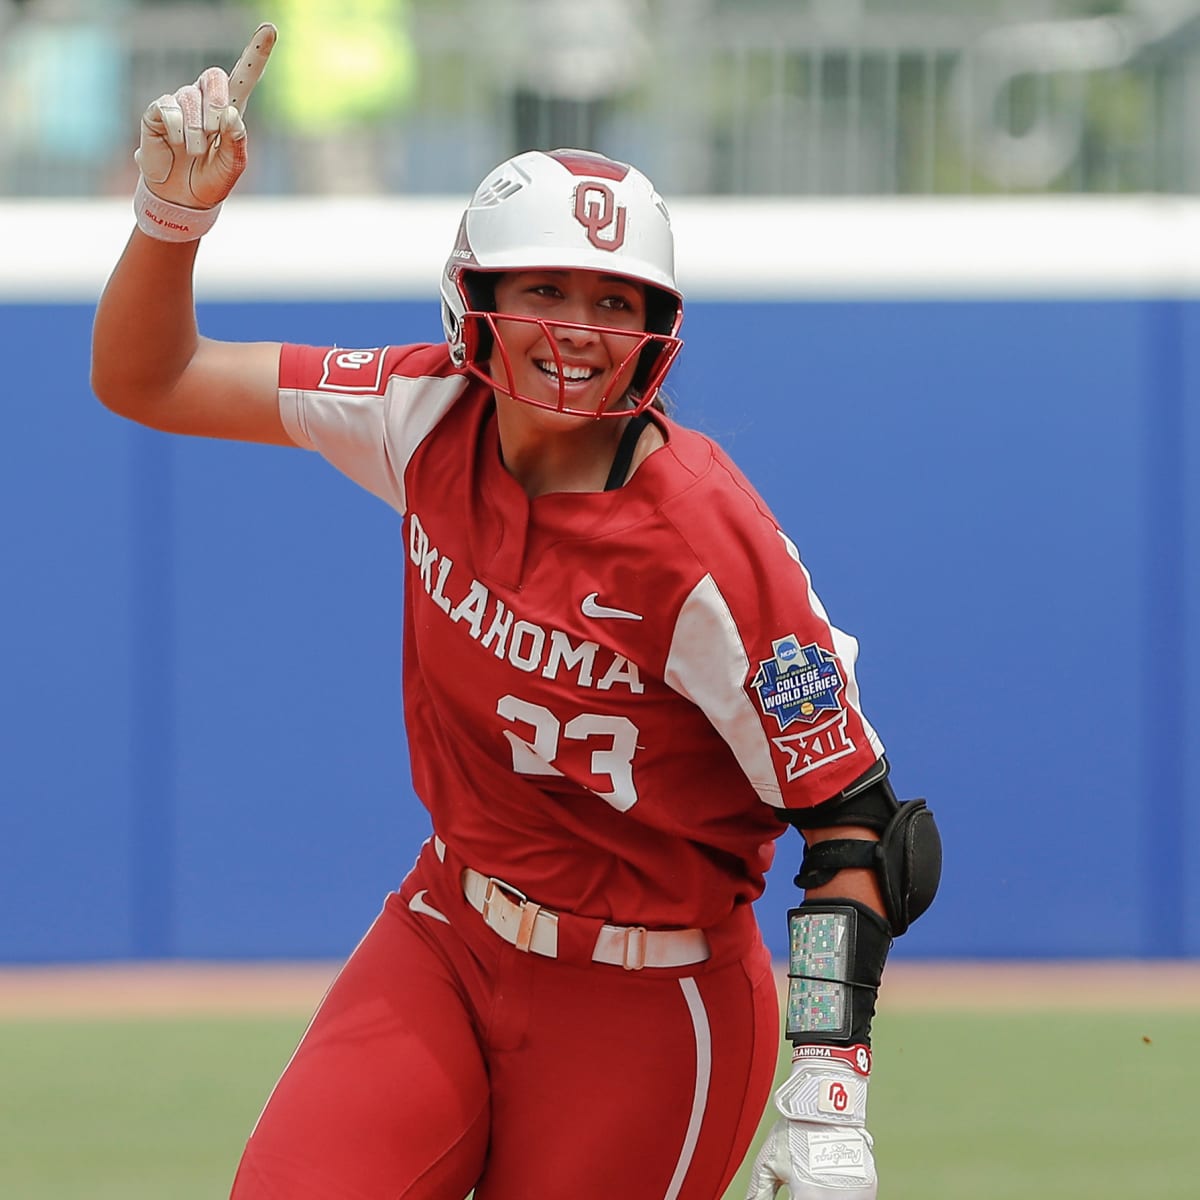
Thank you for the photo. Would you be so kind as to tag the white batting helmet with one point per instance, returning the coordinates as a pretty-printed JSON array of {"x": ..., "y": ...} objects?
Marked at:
[{"x": 564, "y": 209}]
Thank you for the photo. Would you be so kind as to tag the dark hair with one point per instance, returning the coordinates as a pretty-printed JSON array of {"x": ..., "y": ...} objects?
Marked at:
[
  {"x": 661, "y": 310},
  {"x": 480, "y": 287}
]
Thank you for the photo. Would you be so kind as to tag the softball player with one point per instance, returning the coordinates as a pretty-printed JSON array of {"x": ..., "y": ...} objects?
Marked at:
[{"x": 619, "y": 687}]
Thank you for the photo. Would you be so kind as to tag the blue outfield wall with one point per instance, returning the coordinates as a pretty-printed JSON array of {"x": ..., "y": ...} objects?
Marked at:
[{"x": 200, "y": 724}]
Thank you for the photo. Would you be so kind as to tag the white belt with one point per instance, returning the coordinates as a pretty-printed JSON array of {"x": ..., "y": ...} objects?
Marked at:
[{"x": 529, "y": 927}]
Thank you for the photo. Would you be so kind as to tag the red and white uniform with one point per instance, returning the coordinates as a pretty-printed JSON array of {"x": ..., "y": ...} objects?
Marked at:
[{"x": 607, "y": 697}]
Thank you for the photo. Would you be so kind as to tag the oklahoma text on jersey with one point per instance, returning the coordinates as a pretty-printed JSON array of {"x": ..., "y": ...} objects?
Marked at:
[{"x": 527, "y": 646}]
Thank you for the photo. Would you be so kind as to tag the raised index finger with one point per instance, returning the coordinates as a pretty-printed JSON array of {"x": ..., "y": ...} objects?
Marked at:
[{"x": 248, "y": 69}]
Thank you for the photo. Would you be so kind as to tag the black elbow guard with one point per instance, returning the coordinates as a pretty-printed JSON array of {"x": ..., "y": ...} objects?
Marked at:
[
  {"x": 907, "y": 859},
  {"x": 909, "y": 863}
]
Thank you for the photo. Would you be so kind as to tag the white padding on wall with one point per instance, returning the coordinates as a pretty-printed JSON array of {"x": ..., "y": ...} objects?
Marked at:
[{"x": 737, "y": 249}]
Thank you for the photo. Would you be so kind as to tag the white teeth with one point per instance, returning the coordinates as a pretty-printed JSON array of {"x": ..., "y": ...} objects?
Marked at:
[{"x": 573, "y": 373}]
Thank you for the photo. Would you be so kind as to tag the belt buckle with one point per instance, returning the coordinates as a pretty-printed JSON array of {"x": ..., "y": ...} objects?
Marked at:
[
  {"x": 527, "y": 910},
  {"x": 635, "y": 939},
  {"x": 494, "y": 885}
]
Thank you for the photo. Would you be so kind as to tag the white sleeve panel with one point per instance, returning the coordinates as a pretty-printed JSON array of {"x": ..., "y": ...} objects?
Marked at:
[
  {"x": 846, "y": 648},
  {"x": 371, "y": 437},
  {"x": 708, "y": 664}
]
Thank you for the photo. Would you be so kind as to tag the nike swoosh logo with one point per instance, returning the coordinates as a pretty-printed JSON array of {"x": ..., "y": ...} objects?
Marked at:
[
  {"x": 591, "y": 609},
  {"x": 418, "y": 905}
]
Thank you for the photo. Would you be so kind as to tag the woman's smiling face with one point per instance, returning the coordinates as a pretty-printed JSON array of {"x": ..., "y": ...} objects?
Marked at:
[{"x": 568, "y": 340}]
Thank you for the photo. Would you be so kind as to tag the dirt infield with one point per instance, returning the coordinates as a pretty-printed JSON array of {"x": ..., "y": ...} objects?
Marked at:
[{"x": 195, "y": 988}]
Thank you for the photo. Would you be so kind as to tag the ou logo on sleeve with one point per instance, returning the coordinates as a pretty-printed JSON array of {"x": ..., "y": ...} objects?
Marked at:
[
  {"x": 596, "y": 209},
  {"x": 352, "y": 370}
]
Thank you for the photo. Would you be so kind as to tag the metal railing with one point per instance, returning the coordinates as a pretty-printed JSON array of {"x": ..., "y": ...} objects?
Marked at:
[{"x": 753, "y": 98}]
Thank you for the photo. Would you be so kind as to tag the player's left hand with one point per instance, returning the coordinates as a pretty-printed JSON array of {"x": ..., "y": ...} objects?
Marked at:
[
  {"x": 814, "y": 1162},
  {"x": 820, "y": 1148}
]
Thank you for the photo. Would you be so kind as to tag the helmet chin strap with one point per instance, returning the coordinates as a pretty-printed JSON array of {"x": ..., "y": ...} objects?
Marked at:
[{"x": 623, "y": 459}]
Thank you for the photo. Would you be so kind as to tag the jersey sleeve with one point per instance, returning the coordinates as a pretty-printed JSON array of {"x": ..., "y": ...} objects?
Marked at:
[
  {"x": 754, "y": 648},
  {"x": 366, "y": 411}
]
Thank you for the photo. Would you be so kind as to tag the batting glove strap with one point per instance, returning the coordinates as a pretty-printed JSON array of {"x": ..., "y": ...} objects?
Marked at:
[
  {"x": 827, "y": 1086},
  {"x": 170, "y": 222}
]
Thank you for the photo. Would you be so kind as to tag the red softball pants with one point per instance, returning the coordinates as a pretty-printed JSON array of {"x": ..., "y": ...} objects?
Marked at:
[{"x": 442, "y": 1060}]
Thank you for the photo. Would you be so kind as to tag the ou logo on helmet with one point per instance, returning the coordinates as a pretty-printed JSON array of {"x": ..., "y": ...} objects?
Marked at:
[{"x": 596, "y": 209}]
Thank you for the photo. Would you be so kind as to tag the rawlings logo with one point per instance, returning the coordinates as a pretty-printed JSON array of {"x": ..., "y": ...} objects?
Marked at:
[{"x": 596, "y": 209}]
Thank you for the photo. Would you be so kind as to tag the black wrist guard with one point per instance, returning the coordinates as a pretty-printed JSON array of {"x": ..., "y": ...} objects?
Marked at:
[{"x": 837, "y": 950}]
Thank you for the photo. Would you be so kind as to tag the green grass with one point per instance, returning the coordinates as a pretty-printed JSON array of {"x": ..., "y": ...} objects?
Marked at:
[
  {"x": 1016, "y": 1105},
  {"x": 1002, "y": 1106},
  {"x": 132, "y": 1109}
]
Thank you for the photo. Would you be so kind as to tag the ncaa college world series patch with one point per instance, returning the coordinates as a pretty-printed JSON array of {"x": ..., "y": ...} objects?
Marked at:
[{"x": 803, "y": 685}]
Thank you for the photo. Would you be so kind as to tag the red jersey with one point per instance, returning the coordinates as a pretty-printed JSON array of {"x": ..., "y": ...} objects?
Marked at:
[{"x": 607, "y": 695}]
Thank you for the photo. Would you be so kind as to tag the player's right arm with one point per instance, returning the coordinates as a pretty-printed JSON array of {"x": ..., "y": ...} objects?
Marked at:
[
  {"x": 149, "y": 361},
  {"x": 151, "y": 365}
]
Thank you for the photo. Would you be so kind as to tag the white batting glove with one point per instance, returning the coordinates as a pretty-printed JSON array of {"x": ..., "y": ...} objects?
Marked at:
[
  {"x": 193, "y": 146},
  {"x": 820, "y": 1149}
]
